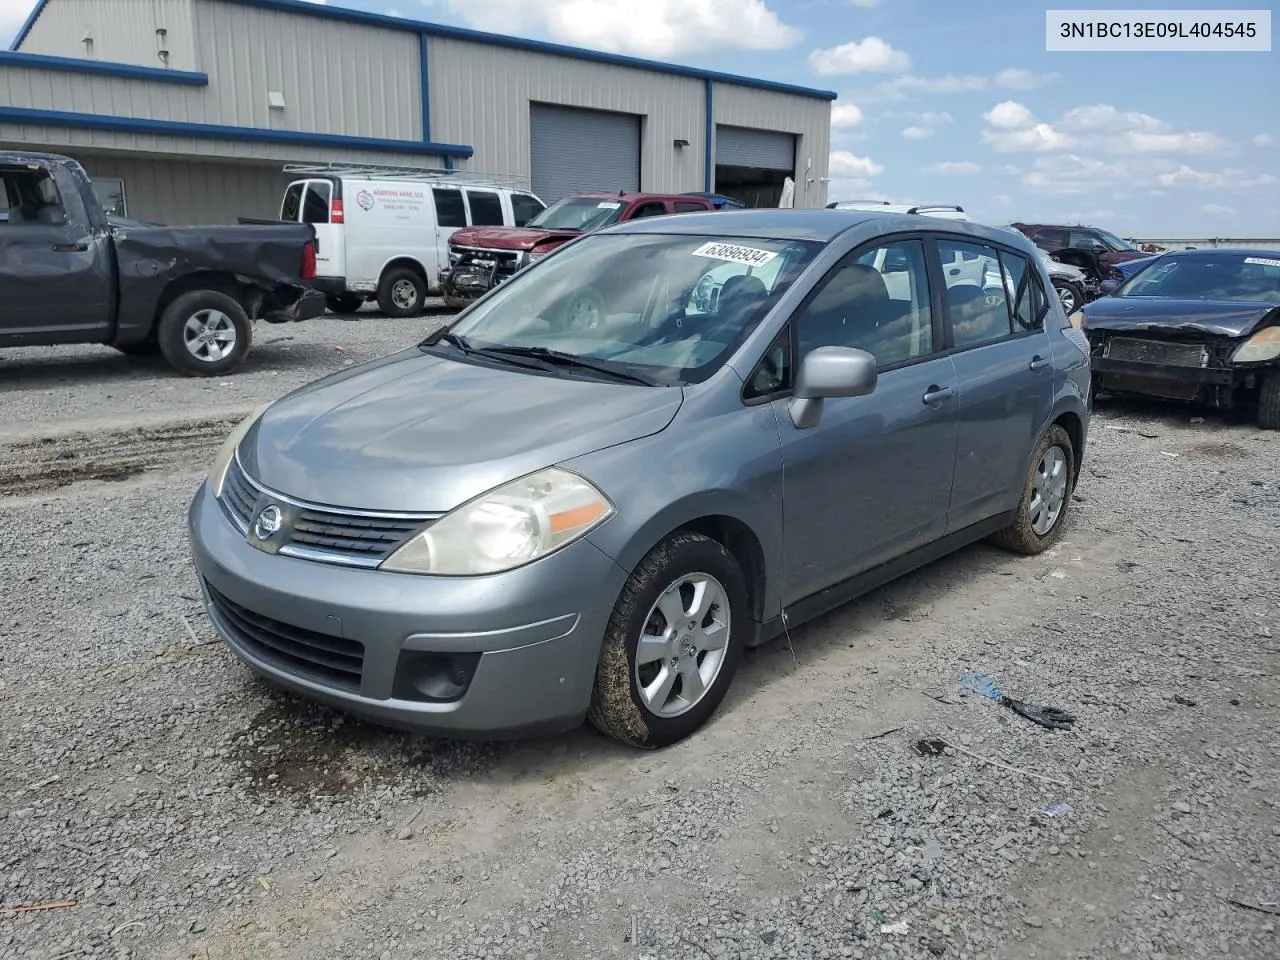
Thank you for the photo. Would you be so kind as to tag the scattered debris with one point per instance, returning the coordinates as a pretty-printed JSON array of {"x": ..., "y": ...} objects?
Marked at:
[
  {"x": 1126, "y": 565},
  {"x": 55, "y": 905},
  {"x": 1260, "y": 907},
  {"x": 1185, "y": 701},
  {"x": 997, "y": 763},
  {"x": 900, "y": 928},
  {"x": 1197, "y": 419},
  {"x": 929, "y": 748},
  {"x": 941, "y": 695},
  {"x": 1057, "y": 810},
  {"x": 1168, "y": 454},
  {"x": 125, "y": 926},
  {"x": 1149, "y": 436},
  {"x": 1049, "y": 717},
  {"x": 882, "y": 733},
  {"x": 982, "y": 685}
]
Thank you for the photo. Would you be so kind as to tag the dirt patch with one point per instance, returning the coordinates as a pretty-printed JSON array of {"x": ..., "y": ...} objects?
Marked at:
[
  {"x": 1220, "y": 450},
  {"x": 50, "y": 463}
]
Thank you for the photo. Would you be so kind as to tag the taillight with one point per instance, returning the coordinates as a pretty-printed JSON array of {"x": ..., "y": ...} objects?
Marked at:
[
  {"x": 309, "y": 260},
  {"x": 335, "y": 212}
]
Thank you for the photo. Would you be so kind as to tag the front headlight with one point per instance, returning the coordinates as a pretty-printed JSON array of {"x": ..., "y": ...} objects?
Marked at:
[
  {"x": 1261, "y": 347},
  {"x": 218, "y": 471},
  {"x": 505, "y": 528},
  {"x": 1077, "y": 319}
]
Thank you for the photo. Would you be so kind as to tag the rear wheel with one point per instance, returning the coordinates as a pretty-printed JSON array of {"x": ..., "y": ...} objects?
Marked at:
[
  {"x": 343, "y": 302},
  {"x": 673, "y": 643},
  {"x": 402, "y": 293},
  {"x": 1046, "y": 493},
  {"x": 1269, "y": 401},
  {"x": 204, "y": 333},
  {"x": 1069, "y": 295}
]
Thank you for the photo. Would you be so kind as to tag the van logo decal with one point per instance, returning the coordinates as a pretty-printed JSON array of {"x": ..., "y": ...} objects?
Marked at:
[{"x": 365, "y": 199}]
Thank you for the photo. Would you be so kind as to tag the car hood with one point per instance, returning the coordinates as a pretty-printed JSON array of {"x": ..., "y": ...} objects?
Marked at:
[
  {"x": 1217, "y": 317},
  {"x": 416, "y": 432},
  {"x": 507, "y": 238}
]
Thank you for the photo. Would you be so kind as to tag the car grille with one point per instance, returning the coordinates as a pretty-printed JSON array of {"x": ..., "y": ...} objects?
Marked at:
[
  {"x": 507, "y": 261},
  {"x": 314, "y": 532},
  {"x": 1164, "y": 352},
  {"x": 332, "y": 660}
]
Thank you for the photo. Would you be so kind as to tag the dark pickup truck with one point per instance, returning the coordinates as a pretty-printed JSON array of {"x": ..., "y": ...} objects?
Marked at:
[{"x": 70, "y": 274}]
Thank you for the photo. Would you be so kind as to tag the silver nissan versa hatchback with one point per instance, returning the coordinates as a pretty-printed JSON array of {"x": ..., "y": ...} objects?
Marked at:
[{"x": 592, "y": 490}]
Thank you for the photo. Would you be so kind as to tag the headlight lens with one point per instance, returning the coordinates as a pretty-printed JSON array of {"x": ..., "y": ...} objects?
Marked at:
[
  {"x": 218, "y": 471},
  {"x": 1262, "y": 346},
  {"x": 505, "y": 528},
  {"x": 1077, "y": 319}
]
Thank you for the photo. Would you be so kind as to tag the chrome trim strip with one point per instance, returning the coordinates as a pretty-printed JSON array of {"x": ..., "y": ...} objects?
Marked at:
[{"x": 299, "y": 552}]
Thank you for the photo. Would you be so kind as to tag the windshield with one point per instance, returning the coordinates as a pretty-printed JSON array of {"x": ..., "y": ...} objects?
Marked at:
[
  {"x": 1115, "y": 243},
  {"x": 1235, "y": 278},
  {"x": 668, "y": 308},
  {"x": 578, "y": 213}
]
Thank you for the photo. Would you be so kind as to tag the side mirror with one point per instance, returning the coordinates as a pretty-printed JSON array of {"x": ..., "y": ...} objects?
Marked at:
[{"x": 830, "y": 372}]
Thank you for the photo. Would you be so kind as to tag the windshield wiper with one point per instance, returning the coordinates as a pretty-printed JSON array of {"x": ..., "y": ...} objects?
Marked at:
[
  {"x": 461, "y": 344},
  {"x": 569, "y": 360}
]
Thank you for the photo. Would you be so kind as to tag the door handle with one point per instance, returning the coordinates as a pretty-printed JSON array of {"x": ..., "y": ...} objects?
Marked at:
[
  {"x": 71, "y": 247},
  {"x": 1038, "y": 362},
  {"x": 935, "y": 395}
]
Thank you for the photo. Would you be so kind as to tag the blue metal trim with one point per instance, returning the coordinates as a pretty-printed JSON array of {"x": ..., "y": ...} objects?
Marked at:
[
  {"x": 28, "y": 24},
  {"x": 38, "y": 61},
  {"x": 448, "y": 163},
  {"x": 424, "y": 83},
  {"x": 327, "y": 12},
  {"x": 709, "y": 139},
  {"x": 211, "y": 131}
]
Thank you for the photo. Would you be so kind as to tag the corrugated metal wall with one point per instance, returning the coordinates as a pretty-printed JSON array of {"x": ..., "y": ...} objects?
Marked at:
[
  {"x": 809, "y": 119},
  {"x": 123, "y": 31},
  {"x": 480, "y": 95},
  {"x": 181, "y": 192}
]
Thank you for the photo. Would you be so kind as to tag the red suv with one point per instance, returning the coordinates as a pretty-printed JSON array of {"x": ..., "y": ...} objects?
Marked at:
[
  {"x": 482, "y": 257},
  {"x": 1092, "y": 250}
]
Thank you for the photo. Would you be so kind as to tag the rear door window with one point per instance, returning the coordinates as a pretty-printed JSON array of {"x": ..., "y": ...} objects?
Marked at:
[
  {"x": 486, "y": 208},
  {"x": 524, "y": 208},
  {"x": 450, "y": 210},
  {"x": 315, "y": 205},
  {"x": 291, "y": 208},
  {"x": 688, "y": 206},
  {"x": 651, "y": 209}
]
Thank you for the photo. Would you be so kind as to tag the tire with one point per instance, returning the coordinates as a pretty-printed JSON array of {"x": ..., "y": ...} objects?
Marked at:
[
  {"x": 343, "y": 302},
  {"x": 221, "y": 316},
  {"x": 1021, "y": 536},
  {"x": 144, "y": 348},
  {"x": 585, "y": 310},
  {"x": 1071, "y": 293},
  {"x": 1269, "y": 401},
  {"x": 402, "y": 293},
  {"x": 618, "y": 705}
]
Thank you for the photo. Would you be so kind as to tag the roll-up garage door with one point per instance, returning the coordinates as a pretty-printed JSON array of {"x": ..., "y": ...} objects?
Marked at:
[
  {"x": 582, "y": 151},
  {"x": 761, "y": 149}
]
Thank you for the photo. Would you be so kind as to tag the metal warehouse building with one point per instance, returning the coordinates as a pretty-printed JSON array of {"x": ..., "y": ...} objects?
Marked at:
[{"x": 185, "y": 111}]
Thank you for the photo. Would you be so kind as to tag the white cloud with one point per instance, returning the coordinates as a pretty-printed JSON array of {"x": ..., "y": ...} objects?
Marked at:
[
  {"x": 871, "y": 55},
  {"x": 1262, "y": 140},
  {"x": 1012, "y": 128},
  {"x": 952, "y": 167},
  {"x": 1011, "y": 170},
  {"x": 1002, "y": 199},
  {"x": 665, "y": 28},
  {"x": 844, "y": 115},
  {"x": 842, "y": 163},
  {"x": 1184, "y": 176},
  {"x": 918, "y": 133},
  {"x": 1216, "y": 208},
  {"x": 1015, "y": 78},
  {"x": 1009, "y": 115},
  {"x": 935, "y": 118},
  {"x": 908, "y": 85}
]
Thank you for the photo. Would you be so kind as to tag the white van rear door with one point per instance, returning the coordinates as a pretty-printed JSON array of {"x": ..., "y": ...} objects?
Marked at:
[{"x": 322, "y": 208}]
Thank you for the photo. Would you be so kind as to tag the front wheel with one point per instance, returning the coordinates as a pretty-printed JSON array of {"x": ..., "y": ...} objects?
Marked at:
[
  {"x": 1046, "y": 493},
  {"x": 673, "y": 643},
  {"x": 204, "y": 333},
  {"x": 1069, "y": 295},
  {"x": 402, "y": 293},
  {"x": 1269, "y": 401}
]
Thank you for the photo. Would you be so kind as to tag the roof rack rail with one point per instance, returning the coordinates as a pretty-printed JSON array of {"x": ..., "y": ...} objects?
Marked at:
[
  {"x": 391, "y": 172},
  {"x": 936, "y": 206},
  {"x": 836, "y": 203}
]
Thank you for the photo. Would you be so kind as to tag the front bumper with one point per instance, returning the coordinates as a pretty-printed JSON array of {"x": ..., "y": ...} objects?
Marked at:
[
  {"x": 1183, "y": 369},
  {"x": 359, "y": 639},
  {"x": 310, "y": 303}
]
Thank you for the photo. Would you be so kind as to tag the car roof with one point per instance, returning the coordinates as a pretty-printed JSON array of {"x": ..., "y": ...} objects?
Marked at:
[
  {"x": 823, "y": 225},
  {"x": 634, "y": 195},
  {"x": 1263, "y": 252}
]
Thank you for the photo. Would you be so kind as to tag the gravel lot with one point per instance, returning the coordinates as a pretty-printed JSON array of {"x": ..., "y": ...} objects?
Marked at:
[{"x": 190, "y": 811}]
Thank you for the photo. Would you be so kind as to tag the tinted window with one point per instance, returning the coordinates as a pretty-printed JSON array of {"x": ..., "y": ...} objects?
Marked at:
[
  {"x": 976, "y": 295},
  {"x": 486, "y": 208},
  {"x": 110, "y": 194},
  {"x": 450, "y": 211},
  {"x": 878, "y": 303},
  {"x": 684, "y": 206},
  {"x": 649, "y": 210},
  {"x": 524, "y": 208},
  {"x": 1083, "y": 240},
  {"x": 315, "y": 207},
  {"x": 292, "y": 205},
  {"x": 32, "y": 198},
  {"x": 1051, "y": 238}
]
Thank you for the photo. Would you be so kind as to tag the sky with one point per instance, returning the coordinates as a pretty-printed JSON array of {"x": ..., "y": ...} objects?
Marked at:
[{"x": 961, "y": 103}]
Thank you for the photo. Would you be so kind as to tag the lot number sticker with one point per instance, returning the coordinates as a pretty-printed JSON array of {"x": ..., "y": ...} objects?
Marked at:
[
  {"x": 751, "y": 256},
  {"x": 1264, "y": 261},
  {"x": 608, "y": 205}
]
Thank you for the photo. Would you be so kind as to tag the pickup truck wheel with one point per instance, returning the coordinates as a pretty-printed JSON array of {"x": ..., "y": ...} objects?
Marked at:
[
  {"x": 672, "y": 645},
  {"x": 343, "y": 302},
  {"x": 402, "y": 293},
  {"x": 204, "y": 333}
]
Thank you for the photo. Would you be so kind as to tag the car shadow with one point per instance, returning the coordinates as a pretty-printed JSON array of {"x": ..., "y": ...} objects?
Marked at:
[{"x": 1170, "y": 413}]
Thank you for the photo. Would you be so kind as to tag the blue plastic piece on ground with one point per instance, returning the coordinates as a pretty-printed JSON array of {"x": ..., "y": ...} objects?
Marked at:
[{"x": 983, "y": 686}]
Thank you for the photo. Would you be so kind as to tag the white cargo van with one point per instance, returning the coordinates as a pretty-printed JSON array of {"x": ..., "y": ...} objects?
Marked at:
[{"x": 382, "y": 233}]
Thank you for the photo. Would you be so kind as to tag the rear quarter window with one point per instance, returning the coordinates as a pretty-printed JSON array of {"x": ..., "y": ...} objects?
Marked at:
[{"x": 450, "y": 211}]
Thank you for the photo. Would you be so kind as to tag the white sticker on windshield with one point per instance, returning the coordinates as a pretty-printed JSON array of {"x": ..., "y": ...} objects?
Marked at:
[
  {"x": 1264, "y": 261},
  {"x": 608, "y": 205},
  {"x": 751, "y": 256}
]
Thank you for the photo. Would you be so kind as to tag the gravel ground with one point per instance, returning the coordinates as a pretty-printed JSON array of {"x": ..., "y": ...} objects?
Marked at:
[{"x": 850, "y": 799}]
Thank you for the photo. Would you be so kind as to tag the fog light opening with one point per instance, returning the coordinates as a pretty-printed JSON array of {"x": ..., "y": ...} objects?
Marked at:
[{"x": 434, "y": 677}]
